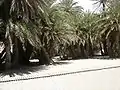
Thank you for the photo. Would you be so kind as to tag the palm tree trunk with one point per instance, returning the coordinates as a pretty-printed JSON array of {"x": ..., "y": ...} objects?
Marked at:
[
  {"x": 101, "y": 49},
  {"x": 105, "y": 47},
  {"x": 103, "y": 6},
  {"x": 90, "y": 47},
  {"x": 83, "y": 51},
  {"x": 15, "y": 53},
  {"x": 21, "y": 52},
  {"x": 24, "y": 55},
  {"x": 44, "y": 57},
  {"x": 29, "y": 50},
  {"x": 8, "y": 62}
]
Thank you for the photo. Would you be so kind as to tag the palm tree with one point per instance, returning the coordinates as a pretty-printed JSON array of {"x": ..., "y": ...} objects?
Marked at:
[
  {"x": 110, "y": 26},
  {"x": 104, "y": 6},
  {"x": 22, "y": 24},
  {"x": 64, "y": 19},
  {"x": 101, "y": 2},
  {"x": 69, "y": 6}
]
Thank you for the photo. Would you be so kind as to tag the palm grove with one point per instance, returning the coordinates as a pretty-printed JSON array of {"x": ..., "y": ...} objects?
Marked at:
[{"x": 41, "y": 29}]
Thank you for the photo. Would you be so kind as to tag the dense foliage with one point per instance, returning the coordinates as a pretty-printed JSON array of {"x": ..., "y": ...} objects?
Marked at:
[{"x": 42, "y": 29}]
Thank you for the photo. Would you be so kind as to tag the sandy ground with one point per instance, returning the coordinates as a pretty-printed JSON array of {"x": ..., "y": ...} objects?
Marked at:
[{"x": 101, "y": 78}]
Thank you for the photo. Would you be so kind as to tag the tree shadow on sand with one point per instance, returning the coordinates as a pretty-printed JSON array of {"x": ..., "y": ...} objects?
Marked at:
[
  {"x": 22, "y": 70},
  {"x": 33, "y": 67}
]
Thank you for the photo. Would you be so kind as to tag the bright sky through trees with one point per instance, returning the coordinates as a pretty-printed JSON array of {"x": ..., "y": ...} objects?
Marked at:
[{"x": 87, "y": 5}]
